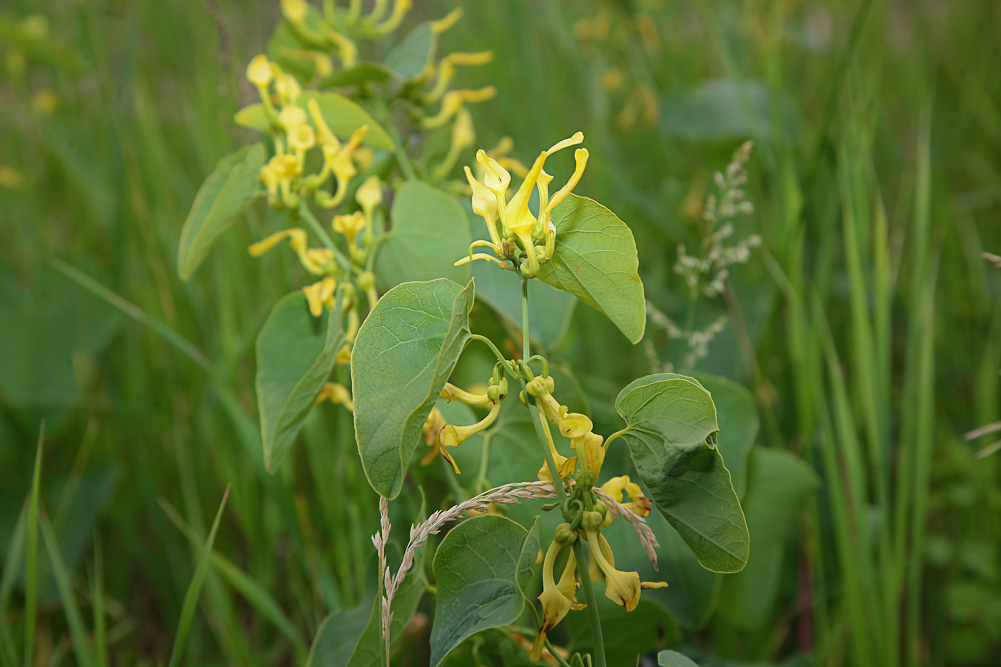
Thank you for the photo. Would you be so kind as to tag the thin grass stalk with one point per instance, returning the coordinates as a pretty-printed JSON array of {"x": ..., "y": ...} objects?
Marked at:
[{"x": 31, "y": 556}]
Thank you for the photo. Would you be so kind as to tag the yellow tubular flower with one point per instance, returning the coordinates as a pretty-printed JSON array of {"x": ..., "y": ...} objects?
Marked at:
[
  {"x": 259, "y": 72},
  {"x": 568, "y": 583},
  {"x": 347, "y": 49},
  {"x": 453, "y": 101},
  {"x": 320, "y": 294},
  {"x": 324, "y": 133},
  {"x": 617, "y": 486},
  {"x": 369, "y": 195},
  {"x": 450, "y": 391},
  {"x": 342, "y": 166},
  {"x": 432, "y": 427},
  {"x": 485, "y": 206},
  {"x": 446, "y": 22},
  {"x": 622, "y": 588},
  {"x": 453, "y": 436},
  {"x": 555, "y": 605},
  {"x": 294, "y": 10},
  {"x": 288, "y": 88},
  {"x": 316, "y": 261},
  {"x": 350, "y": 225},
  {"x": 336, "y": 393},
  {"x": 516, "y": 217},
  {"x": 291, "y": 117},
  {"x": 564, "y": 466},
  {"x": 594, "y": 448},
  {"x": 301, "y": 138},
  {"x": 270, "y": 179},
  {"x": 400, "y": 9}
]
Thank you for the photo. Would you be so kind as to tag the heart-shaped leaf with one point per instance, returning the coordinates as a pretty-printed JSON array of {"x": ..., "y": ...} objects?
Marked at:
[
  {"x": 223, "y": 196},
  {"x": 670, "y": 419},
  {"x": 295, "y": 354},
  {"x": 414, "y": 53},
  {"x": 738, "y": 424},
  {"x": 364, "y": 72},
  {"x": 430, "y": 232},
  {"x": 405, "y": 351},
  {"x": 482, "y": 568},
  {"x": 595, "y": 260}
]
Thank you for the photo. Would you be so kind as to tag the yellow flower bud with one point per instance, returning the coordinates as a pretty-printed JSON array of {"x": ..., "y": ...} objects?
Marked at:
[
  {"x": 555, "y": 604},
  {"x": 288, "y": 88},
  {"x": 259, "y": 71},
  {"x": 295, "y": 10},
  {"x": 369, "y": 195}
]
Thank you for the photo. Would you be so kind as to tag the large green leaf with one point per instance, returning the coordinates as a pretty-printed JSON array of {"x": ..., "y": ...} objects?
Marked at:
[
  {"x": 405, "y": 351},
  {"x": 223, "y": 196},
  {"x": 364, "y": 72},
  {"x": 414, "y": 53},
  {"x": 429, "y": 233},
  {"x": 738, "y": 424},
  {"x": 674, "y": 659},
  {"x": 295, "y": 354},
  {"x": 481, "y": 568},
  {"x": 778, "y": 482},
  {"x": 353, "y": 637},
  {"x": 344, "y": 117},
  {"x": 595, "y": 260},
  {"x": 670, "y": 419},
  {"x": 627, "y": 634},
  {"x": 549, "y": 309}
]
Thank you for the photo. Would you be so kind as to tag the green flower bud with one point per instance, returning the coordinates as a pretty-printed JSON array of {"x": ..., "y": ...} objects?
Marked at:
[
  {"x": 591, "y": 522},
  {"x": 564, "y": 535},
  {"x": 366, "y": 280}
]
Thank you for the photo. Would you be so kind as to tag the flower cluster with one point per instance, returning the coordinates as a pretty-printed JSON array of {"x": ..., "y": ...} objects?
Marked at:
[
  {"x": 438, "y": 434},
  {"x": 520, "y": 229},
  {"x": 622, "y": 588}
]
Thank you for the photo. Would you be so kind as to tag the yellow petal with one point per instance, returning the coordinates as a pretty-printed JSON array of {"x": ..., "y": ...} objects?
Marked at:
[
  {"x": 259, "y": 71},
  {"x": 577, "y": 138},
  {"x": 575, "y": 425},
  {"x": 301, "y": 137},
  {"x": 369, "y": 195},
  {"x": 295, "y": 10},
  {"x": 446, "y": 22},
  {"x": 261, "y": 247},
  {"x": 580, "y": 157}
]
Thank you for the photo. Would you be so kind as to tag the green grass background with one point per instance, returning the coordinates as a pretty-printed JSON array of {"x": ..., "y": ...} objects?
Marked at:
[{"x": 873, "y": 330}]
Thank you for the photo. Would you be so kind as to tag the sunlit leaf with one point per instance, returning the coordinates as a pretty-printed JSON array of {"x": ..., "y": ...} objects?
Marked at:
[
  {"x": 429, "y": 233},
  {"x": 595, "y": 260},
  {"x": 223, "y": 196},
  {"x": 295, "y": 354},
  {"x": 405, "y": 351},
  {"x": 482, "y": 567}
]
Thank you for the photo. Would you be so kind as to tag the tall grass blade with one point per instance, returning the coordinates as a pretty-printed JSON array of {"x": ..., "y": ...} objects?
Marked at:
[
  {"x": 194, "y": 590},
  {"x": 97, "y": 607},
  {"x": 31, "y": 556},
  {"x": 81, "y": 645},
  {"x": 244, "y": 585},
  {"x": 11, "y": 567}
]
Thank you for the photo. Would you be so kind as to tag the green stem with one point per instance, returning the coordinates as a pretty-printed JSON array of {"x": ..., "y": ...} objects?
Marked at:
[
  {"x": 585, "y": 576},
  {"x": 592, "y": 603},
  {"x": 315, "y": 225}
]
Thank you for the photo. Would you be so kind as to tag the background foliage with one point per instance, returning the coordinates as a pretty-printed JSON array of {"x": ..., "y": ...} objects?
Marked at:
[{"x": 867, "y": 326}]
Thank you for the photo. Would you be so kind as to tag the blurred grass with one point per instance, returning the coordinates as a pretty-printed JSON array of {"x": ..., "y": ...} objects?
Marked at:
[{"x": 873, "y": 320}]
